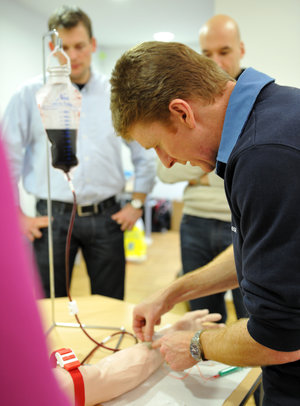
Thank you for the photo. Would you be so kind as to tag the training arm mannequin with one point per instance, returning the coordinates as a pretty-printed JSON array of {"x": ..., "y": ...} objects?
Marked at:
[{"x": 126, "y": 369}]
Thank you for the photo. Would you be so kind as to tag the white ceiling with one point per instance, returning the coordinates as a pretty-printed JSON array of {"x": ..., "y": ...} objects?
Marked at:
[{"x": 127, "y": 22}]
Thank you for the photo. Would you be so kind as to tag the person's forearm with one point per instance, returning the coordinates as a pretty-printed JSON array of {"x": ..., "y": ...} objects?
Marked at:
[
  {"x": 217, "y": 276},
  {"x": 233, "y": 345}
]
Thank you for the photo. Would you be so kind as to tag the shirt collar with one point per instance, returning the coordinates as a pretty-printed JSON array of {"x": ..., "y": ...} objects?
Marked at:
[
  {"x": 240, "y": 104},
  {"x": 89, "y": 83}
]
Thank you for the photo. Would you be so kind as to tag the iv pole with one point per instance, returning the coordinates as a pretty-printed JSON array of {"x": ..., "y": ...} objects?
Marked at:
[
  {"x": 49, "y": 206},
  {"x": 50, "y": 235}
]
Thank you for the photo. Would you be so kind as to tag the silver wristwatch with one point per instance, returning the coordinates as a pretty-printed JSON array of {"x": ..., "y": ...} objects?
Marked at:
[
  {"x": 137, "y": 203},
  {"x": 196, "y": 349}
]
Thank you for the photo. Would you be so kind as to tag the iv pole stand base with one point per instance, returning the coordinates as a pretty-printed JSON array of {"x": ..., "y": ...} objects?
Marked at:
[{"x": 77, "y": 325}]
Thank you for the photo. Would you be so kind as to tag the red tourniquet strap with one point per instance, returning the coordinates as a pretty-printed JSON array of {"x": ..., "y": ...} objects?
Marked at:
[
  {"x": 68, "y": 360},
  {"x": 78, "y": 387}
]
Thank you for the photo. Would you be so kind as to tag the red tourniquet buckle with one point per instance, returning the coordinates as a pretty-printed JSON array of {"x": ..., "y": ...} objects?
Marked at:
[{"x": 66, "y": 358}]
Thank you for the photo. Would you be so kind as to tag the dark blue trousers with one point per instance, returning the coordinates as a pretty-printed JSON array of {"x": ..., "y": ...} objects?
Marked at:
[
  {"x": 201, "y": 240},
  {"x": 101, "y": 242}
]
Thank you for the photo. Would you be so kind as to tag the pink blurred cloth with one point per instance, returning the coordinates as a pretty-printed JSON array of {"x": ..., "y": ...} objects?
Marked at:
[{"x": 25, "y": 374}]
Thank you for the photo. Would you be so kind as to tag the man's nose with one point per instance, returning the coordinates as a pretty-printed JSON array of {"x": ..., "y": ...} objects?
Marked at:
[
  {"x": 72, "y": 54},
  {"x": 218, "y": 59}
]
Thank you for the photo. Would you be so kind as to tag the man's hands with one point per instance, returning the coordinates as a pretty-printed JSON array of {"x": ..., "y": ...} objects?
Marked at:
[
  {"x": 127, "y": 217},
  {"x": 175, "y": 349},
  {"x": 31, "y": 226},
  {"x": 174, "y": 341},
  {"x": 175, "y": 345},
  {"x": 147, "y": 314}
]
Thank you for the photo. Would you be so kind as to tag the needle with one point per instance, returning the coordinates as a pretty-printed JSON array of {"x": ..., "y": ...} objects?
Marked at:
[{"x": 226, "y": 371}]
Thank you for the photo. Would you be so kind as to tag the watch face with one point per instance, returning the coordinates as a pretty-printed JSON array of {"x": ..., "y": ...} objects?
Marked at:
[
  {"x": 195, "y": 352},
  {"x": 195, "y": 347},
  {"x": 136, "y": 203}
]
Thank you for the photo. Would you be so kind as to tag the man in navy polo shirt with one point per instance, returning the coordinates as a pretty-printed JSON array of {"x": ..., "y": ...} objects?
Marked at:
[{"x": 168, "y": 97}]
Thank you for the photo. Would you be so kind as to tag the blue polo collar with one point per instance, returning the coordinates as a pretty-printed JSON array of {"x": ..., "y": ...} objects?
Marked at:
[{"x": 241, "y": 101}]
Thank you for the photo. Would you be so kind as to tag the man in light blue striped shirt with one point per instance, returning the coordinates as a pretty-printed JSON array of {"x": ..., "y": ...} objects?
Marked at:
[{"x": 98, "y": 179}]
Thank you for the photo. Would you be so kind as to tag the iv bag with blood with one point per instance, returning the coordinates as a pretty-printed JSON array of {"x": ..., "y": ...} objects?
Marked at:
[{"x": 59, "y": 103}]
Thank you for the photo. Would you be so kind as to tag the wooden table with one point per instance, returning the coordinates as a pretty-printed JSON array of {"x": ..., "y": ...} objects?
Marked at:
[{"x": 100, "y": 311}]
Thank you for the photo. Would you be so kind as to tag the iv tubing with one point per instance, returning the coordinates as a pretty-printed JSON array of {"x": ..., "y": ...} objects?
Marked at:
[{"x": 122, "y": 331}]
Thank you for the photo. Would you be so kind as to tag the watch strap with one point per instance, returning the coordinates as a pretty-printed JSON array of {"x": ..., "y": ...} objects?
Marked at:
[
  {"x": 66, "y": 358},
  {"x": 201, "y": 347}
]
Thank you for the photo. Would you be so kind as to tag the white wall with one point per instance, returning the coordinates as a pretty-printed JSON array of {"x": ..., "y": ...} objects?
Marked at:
[
  {"x": 21, "y": 44},
  {"x": 270, "y": 30},
  {"x": 21, "y": 34}
]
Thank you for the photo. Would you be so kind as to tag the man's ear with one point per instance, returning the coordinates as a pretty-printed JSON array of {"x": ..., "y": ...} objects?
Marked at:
[
  {"x": 182, "y": 111},
  {"x": 94, "y": 44},
  {"x": 242, "y": 49},
  {"x": 51, "y": 46}
]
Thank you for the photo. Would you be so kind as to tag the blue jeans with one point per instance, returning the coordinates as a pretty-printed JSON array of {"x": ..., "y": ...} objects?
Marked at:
[
  {"x": 101, "y": 241},
  {"x": 201, "y": 240}
]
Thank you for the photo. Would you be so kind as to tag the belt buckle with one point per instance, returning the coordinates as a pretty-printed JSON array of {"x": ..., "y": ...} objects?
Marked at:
[
  {"x": 67, "y": 359},
  {"x": 88, "y": 213}
]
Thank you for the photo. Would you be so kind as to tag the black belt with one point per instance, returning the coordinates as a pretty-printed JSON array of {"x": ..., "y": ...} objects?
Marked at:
[{"x": 83, "y": 210}]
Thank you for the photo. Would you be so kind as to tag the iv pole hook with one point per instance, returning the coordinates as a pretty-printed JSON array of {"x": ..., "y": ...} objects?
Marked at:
[{"x": 58, "y": 42}]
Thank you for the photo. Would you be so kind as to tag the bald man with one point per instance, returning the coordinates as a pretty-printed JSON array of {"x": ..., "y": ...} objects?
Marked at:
[{"x": 220, "y": 41}]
